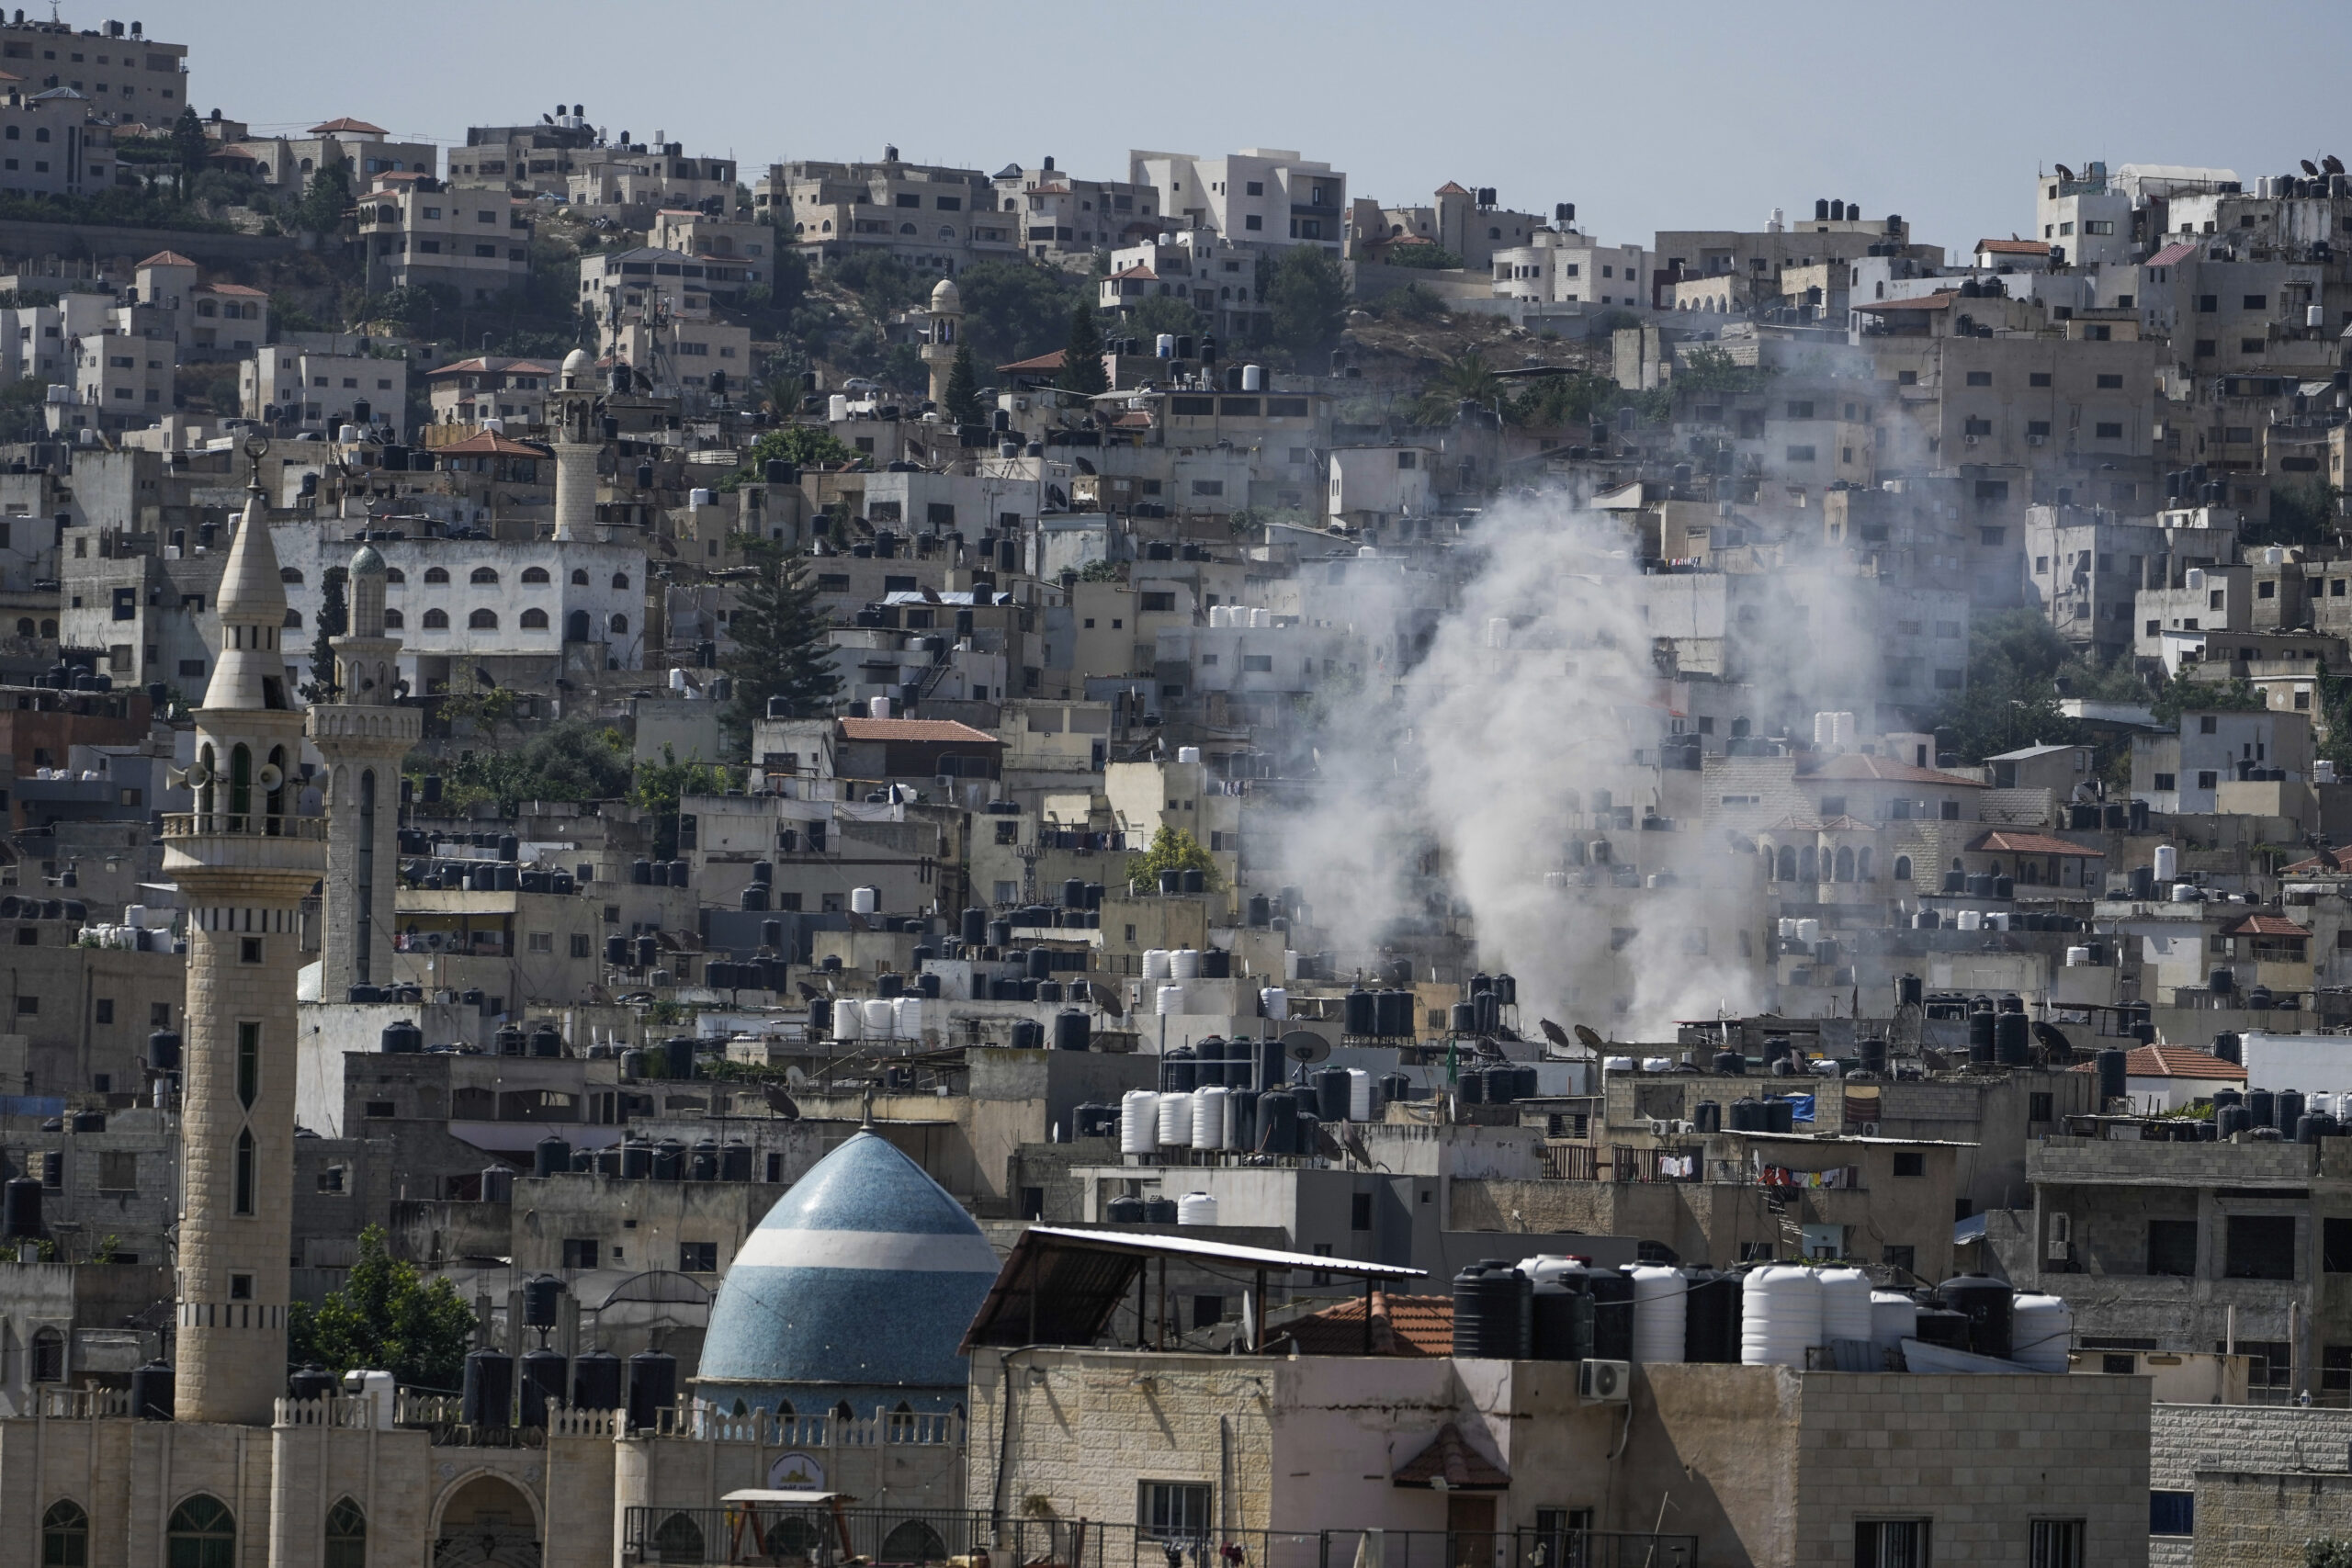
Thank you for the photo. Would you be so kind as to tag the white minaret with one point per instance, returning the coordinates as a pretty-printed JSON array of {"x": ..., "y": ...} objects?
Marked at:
[
  {"x": 946, "y": 324},
  {"x": 244, "y": 862},
  {"x": 573, "y": 411},
  {"x": 363, "y": 734}
]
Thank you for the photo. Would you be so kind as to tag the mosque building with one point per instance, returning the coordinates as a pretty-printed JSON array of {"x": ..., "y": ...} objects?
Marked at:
[{"x": 830, "y": 1362}]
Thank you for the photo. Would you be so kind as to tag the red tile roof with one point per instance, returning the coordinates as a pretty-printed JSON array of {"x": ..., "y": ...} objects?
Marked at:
[
  {"x": 2263, "y": 925},
  {"x": 1139, "y": 271},
  {"x": 1451, "y": 188},
  {"x": 2173, "y": 255},
  {"x": 1932, "y": 302},
  {"x": 2172, "y": 1062},
  {"x": 348, "y": 123},
  {"x": 942, "y": 731},
  {"x": 2013, "y": 247},
  {"x": 1401, "y": 1326},
  {"x": 1043, "y": 361},
  {"x": 2327, "y": 863},
  {"x": 167, "y": 258},
  {"x": 238, "y": 290},
  {"x": 490, "y": 444},
  {"x": 2031, "y": 844},
  {"x": 1858, "y": 766},
  {"x": 1450, "y": 1456}
]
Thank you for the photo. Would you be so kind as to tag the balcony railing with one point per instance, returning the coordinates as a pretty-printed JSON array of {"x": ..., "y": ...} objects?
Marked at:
[{"x": 242, "y": 824}]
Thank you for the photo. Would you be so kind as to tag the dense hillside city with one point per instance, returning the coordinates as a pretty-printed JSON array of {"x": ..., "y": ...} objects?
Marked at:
[{"x": 1103, "y": 867}]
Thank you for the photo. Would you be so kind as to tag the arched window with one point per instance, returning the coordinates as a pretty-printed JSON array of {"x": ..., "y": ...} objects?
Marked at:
[
  {"x": 288, "y": 575},
  {"x": 240, "y": 784},
  {"x": 483, "y": 576},
  {"x": 533, "y": 575},
  {"x": 395, "y": 621},
  {"x": 678, "y": 1539},
  {"x": 841, "y": 1412},
  {"x": 1903, "y": 868},
  {"x": 913, "y": 1542},
  {"x": 620, "y": 580},
  {"x": 244, "y": 1172},
  {"x": 946, "y": 232},
  {"x": 482, "y": 621},
  {"x": 619, "y": 626},
  {"x": 394, "y": 574},
  {"x": 906, "y": 227},
  {"x": 2027, "y": 872},
  {"x": 1806, "y": 870},
  {"x": 65, "y": 1537},
  {"x": 1995, "y": 868},
  {"x": 436, "y": 574},
  {"x": 346, "y": 1536},
  {"x": 294, "y": 620},
  {"x": 436, "y": 620},
  {"x": 1956, "y": 865},
  {"x": 575, "y": 627},
  {"x": 202, "y": 1534},
  {"x": 1787, "y": 863},
  {"x": 1845, "y": 872},
  {"x": 1862, "y": 864},
  {"x": 49, "y": 628},
  {"x": 535, "y": 620},
  {"x": 25, "y": 627},
  {"x": 826, "y": 228},
  {"x": 579, "y": 577},
  {"x": 47, "y": 1359}
]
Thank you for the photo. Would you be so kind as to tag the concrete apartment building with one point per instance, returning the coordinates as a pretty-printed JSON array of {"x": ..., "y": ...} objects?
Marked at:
[
  {"x": 932, "y": 216},
  {"x": 125, "y": 76},
  {"x": 1199, "y": 266},
  {"x": 2184, "y": 773},
  {"x": 297, "y": 390},
  {"x": 743, "y": 245},
  {"x": 1266, "y": 199},
  {"x": 1562, "y": 266},
  {"x": 1465, "y": 222},
  {"x": 50, "y": 145},
  {"x": 1062, "y": 218},
  {"x": 525, "y": 160},
  {"x": 414, "y": 229},
  {"x": 365, "y": 149},
  {"x": 631, "y": 182},
  {"x": 492, "y": 386}
]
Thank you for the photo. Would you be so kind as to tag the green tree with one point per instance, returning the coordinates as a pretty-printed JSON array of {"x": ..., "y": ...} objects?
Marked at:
[
  {"x": 2301, "y": 513},
  {"x": 2185, "y": 694},
  {"x": 1082, "y": 355},
  {"x": 802, "y": 446},
  {"x": 1308, "y": 299},
  {"x": 783, "y": 644},
  {"x": 386, "y": 1317},
  {"x": 1467, "y": 377},
  {"x": 964, "y": 389},
  {"x": 574, "y": 759},
  {"x": 2328, "y": 1551},
  {"x": 2012, "y": 696},
  {"x": 1172, "y": 849},
  {"x": 1432, "y": 258},
  {"x": 1579, "y": 398},
  {"x": 1713, "y": 370},
  {"x": 1157, "y": 313},
  {"x": 881, "y": 282},
  {"x": 335, "y": 619},
  {"x": 660, "y": 785},
  {"x": 324, "y": 200},
  {"x": 1015, "y": 310},
  {"x": 188, "y": 145}
]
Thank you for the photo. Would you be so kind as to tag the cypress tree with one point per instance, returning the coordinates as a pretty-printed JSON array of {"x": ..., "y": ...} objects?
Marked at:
[
  {"x": 964, "y": 389},
  {"x": 1082, "y": 355},
  {"x": 335, "y": 619},
  {"x": 782, "y": 644}
]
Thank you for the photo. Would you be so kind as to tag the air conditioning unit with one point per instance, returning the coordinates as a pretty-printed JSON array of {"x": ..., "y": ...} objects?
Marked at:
[
  {"x": 1604, "y": 1382},
  {"x": 2061, "y": 1245},
  {"x": 2036, "y": 440},
  {"x": 1972, "y": 440}
]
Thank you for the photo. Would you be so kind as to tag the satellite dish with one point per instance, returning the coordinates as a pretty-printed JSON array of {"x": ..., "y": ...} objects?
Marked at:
[
  {"x": 268, "y": 777},
  {"x": 1591, "y": 1041},
  {"x": 1554, "y": 1034},
  {"x": 1306, "y": 1047}
]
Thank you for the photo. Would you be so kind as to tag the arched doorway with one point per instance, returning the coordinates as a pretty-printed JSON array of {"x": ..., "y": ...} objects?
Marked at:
[{"x": 487, "y": 1523}]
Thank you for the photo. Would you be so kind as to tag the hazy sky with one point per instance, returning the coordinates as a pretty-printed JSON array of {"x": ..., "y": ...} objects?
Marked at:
[{"x": 1693, "y": 115}]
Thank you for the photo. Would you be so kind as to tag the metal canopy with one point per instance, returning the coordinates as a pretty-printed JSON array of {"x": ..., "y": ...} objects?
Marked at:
[{"x": 1061, "y": 1286}]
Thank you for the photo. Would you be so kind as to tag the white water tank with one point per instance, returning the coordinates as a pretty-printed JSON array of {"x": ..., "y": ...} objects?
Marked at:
[
  {"x": 877, "y": 707},
  {"x": 1164, "y": 346},
  {"x": 2323, "y": 771},
  {"x": 1497, "y": 631},
  {"x": 1208, "y": 1117},
  {"x": 1155, "y": 964},
  {"x": 2184, "y": 893},
  {"x": 1262, "y": 619},
  {"x": 1808, "y": 932},
  {"x": 1138, "y": 1122},
  {"x": 2168, "y": 864},
  {"x": 702, "y": 498},
  {"x": 837, "y": 407},
  {"x": 1290, "y": 967},
  {"x": 906, "y": 1018},
  {"x": 1275, "y": 1002},
  {"x": 2076, "y": 957},
  {"x": 1969, "y": 920},
  {"x": 864, "y": 900},
  {"x": 1617, "y": 1064},
  {"x": 1788, "y": 928},
  {"x": 2195, "y": 578},
  {"x": 1844, "y": 1305},
  {"x": 1175, "y": 1120},
  {"x": 1894, "y": 1317},
  {"x": 1253, "y": 378},
  {"x": 849, "y": 1021},
  {"x": 1184, "y": 964},
  {"x": 1997, "y": 919},
  {"x": 2041, "y": 1330},
  {"x": 1657, "y": 1063},
  {"x": 1169, "y": 1000},
  {"x": 878, "y": 1016},
  {"x": 1196, "y": 1209},
  {"x": 1779, "y": 1316},
  {"x": 1188, "y": 754},
  {"x": 1359, "y": 1095},
  {"x": 1661, "y": 1300},
  {"x": 1220, "y": 615}
]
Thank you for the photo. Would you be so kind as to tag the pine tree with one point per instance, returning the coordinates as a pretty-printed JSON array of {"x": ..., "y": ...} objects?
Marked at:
[
  {"x": 1082, "y": 355},
  {"x": 188, "y": 145},
  {"x": 335, "y": 619},
  {"x": 964, "y": 389},
  {"x": 782, "y": 644}
]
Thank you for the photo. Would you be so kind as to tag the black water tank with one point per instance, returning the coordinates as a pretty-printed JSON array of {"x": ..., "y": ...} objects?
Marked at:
[
  {"x": 1493, "y": 1319},
  {"x": 653, "y": 1387},
  {"x": 1028, "y": 1034},
  {"x": 2231, "y": 1120},
  {"x": 1361, "y": 1012},
  {"x": 1871, "y": 1051},
  {"x": 150, "y": 1392},
  {"x": 1560, "y": 1316},
  {"x": 1707, "y": 1116},
  {"x": 1125, "y": 1211},
  {"x": 551, "y": 1155},
  {"x": 542, "y": 1296},
  {"x": 163, "y": 1051},
  {"x": 1985, "y": 1302},
  {"x": 1331, "y": 1094},
  {"x": 310, "y": 1382},
  {"x": 1071, "y": 1029},
  {"x": 1159, "y": 1211},
  {"x": 1709, "y": 1316},
  {"x": 596, "y": 1380},
  {"x": 545, "y": 1372},
  {"x": 2012, "y": 1040},
  {"x": 1310, "y": 1127},
  {"x": 1939, "y": 1325},
  {"x": 2288, "y": 1110},
  {"x": 637, "y": 1160},
  {"x": 678, "y": 1056},
  {"x": 20, "y": 1209},
  {"x": 489, "y": 1389},
  {"x": 1612, "y": 1315},
  {"x": 1908, "y": 990},
  {"x": 1778, "y": 1115},
  {"x": 1277, "y": 1124},
  {"x": 2261, "y": 1107},
  {"x": 2314, "y": 1126},
  {"x": 1393, "y": 1015},
  {"x": 547, "y": 1041},
  {"x": 2112, "y": 1084},
  {"x": 400, "y": 1039}
]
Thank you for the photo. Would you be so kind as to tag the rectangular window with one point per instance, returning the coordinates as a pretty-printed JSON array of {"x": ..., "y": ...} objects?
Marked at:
[
  {"x": 2110, "y": 383},
  {"x": 2335, "y": 1241},
  {"x": 579, "y": 1253},
  {"x": 2036, "y": 379},
  {"x": 2172, "y": 1513},
  {"x": 542, "y": 942},
  {"x": 2260, "y": 1246},
  {"x": 1980, "y": 378},
  {"x": 2057, "y": 1544},
  {"x": 580, "y": 944},
  {"x": 2172, "y": 1247},
  {"x": 103, "y": 1010},
  {"x": 1800, "y": 455},
  {"x": 2108, "y": 431},
  {"x": 697, "y": 1258},
  {"x": 1891, "y": 1543},
  {"x": 1911, "y": 1164},
  {"x": 118, "y": 1171},
  {"x": 1360, "y": 1212},
  {"x": 1173, "y": 1510}
]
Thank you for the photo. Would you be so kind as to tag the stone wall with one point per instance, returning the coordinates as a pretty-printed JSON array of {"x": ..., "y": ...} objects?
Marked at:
[{"x": 2188, "y": 1442}]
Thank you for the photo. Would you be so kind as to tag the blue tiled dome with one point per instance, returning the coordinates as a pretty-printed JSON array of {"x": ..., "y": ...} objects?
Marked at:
[{"x": 865, "y": 1274}]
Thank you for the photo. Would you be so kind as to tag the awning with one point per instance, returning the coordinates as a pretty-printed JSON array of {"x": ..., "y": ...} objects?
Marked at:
[
  {"x": 1451, "y": 1465},
  {"x": 1060, "y": 1286}
]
